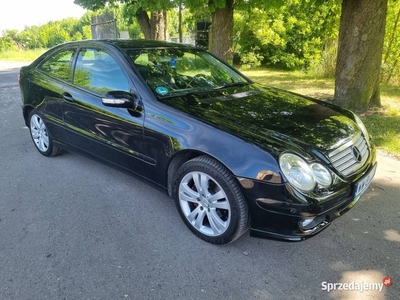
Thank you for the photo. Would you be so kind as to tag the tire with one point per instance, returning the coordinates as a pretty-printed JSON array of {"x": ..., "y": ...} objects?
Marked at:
[
  {"x": 41, "y": 136},
  {"x": 210, "y": 201}
]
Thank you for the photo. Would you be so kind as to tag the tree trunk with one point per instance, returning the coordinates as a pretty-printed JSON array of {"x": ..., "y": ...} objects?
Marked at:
[
  {"x": 159, "y": 25},
  {"x": 180, "y": 23},
  {"x": 154, "y": 28},
  {"x": 144, "y": 22},
  {"x": 222, "y": 31},
  {"x": 361, "y": 35}
]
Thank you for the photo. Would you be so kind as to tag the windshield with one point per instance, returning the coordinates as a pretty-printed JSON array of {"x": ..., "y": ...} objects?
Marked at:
[{"x": 172, "y": 71}]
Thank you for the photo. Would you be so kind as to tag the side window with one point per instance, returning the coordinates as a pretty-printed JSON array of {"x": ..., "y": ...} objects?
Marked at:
[
  {"x": 97, "y": 71},
  {"x": 59, "y": 65}
]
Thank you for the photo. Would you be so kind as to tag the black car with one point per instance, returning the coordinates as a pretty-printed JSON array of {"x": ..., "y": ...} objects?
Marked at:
[{"x": 233, "y": 154}]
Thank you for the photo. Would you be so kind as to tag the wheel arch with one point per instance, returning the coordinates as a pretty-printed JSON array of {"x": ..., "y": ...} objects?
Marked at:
[
  {"x": 26, "y": 112},
  {"x": 178, "y": 160},
  {"x": 175, "y": 163}
]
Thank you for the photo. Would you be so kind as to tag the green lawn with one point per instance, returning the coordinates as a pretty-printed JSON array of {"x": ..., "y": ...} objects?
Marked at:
[
  {"x": 23, "y": 55},
  {"x": 383, "y": 124}
]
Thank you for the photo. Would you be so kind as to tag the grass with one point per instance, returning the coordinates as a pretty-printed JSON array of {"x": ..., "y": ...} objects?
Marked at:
[
  {"x": 383, "y": 123},
  {"x": 21, "y": 55}
]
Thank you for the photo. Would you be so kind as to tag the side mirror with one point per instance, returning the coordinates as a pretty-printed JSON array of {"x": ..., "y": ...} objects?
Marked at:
[{"x": 119, "y": 99}]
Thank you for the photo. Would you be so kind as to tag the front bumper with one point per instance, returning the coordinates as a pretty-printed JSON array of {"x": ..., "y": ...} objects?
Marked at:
[{"x": 293, "y": 221}]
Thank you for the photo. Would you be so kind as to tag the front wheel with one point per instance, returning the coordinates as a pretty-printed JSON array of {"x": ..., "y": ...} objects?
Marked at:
[
  {"x": 210, "y": 201},
  {"x": 41, "y": 136}
]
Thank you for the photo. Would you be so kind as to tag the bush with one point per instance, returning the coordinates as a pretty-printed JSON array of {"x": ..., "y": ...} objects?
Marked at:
[
  {"x": 251, "y": 60},
  {"x": 289, "y": 37},
  {"x": 325, "y": 66}
]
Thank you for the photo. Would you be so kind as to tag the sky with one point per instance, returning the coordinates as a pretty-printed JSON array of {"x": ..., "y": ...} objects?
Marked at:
[{"x": 16, "y": 14}]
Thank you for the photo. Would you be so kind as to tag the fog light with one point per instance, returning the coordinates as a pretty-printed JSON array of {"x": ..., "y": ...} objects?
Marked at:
[
  {"x": 305, "y": 223},
  {"x": 310, "y": 225}
]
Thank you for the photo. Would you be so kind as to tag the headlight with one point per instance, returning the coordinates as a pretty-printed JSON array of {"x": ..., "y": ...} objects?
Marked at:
[
  {"x": 297, "y": 172},
  {"x": 362, "y": 126},
  {"x": 302, "y": 175},
  {"x": 322, "y": 175}
]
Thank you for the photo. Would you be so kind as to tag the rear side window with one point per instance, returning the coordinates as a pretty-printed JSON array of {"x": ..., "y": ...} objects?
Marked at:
[
  {"x": 59, "y": 65},
  {"x": 97, "y": 71}
]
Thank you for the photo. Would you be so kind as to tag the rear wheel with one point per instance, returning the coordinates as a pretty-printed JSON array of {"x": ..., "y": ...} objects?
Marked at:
[
  {"x": 210, "y": 201},
  {"x": 41, "y": 136}
]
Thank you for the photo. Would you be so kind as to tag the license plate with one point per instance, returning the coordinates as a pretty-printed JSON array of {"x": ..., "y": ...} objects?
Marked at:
[{"x": 363, "y": 183}]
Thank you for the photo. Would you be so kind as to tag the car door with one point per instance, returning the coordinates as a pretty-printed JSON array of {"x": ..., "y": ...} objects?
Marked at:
[
  {"x": 111, "y": 133},
  {"x": 46, "y": 88}
]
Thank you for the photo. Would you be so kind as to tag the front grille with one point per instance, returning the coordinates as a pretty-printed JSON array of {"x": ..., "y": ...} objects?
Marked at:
[{"x": 351, "y": 156}]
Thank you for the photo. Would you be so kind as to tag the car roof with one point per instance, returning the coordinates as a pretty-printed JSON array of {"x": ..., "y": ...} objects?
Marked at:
[
  {"x": 115, "y": 43},
  {"x": 134, "y": 43}
]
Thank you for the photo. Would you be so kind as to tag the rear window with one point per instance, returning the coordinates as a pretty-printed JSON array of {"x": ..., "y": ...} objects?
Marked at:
[{"x": 59, "y": 65}]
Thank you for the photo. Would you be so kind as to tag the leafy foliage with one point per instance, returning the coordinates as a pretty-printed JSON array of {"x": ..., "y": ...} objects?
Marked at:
[
  {"x": 9, "y": 41},
  {"x": 391, "y": 47},
  {"x": 291, "y": 36},
  {"x": 47, "y": 35}
]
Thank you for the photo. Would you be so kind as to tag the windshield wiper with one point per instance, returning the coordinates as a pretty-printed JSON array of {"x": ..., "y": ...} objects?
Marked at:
[
  {"x": 206, "y": 91},
  {"x": 231, "y": 84},
  {"x": 187, "y": 93}
]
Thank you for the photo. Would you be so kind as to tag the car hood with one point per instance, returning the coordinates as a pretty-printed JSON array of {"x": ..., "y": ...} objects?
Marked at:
[{"x": 270, "y": 117}]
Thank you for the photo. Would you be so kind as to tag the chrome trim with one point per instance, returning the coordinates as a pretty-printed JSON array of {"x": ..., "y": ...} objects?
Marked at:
[{"x": 351, "y": 156}]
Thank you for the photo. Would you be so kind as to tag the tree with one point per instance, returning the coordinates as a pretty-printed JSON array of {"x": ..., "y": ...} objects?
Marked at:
[
  {"x": 361, "y": 35},
  {"x": 10, "y": 40},
  {"x": 222, "y": 12},
  {"x": 181, "y": 22},
  {"x": 292, "y": 36},
  {"x": 153, "y": 27},
  {"x": 222, "y": 26},
  {"x": 391, "y": 61}
]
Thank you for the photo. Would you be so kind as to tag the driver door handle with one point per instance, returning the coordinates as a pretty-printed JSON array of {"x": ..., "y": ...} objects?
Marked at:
[{"x": 67, "y": 97}]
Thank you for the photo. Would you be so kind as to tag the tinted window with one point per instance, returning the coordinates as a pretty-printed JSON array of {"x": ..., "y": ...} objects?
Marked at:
[
  {"x": 173, "y": 70},
  {"x": 97, "y": 71},
  {"x": 59, "y": 65}
]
